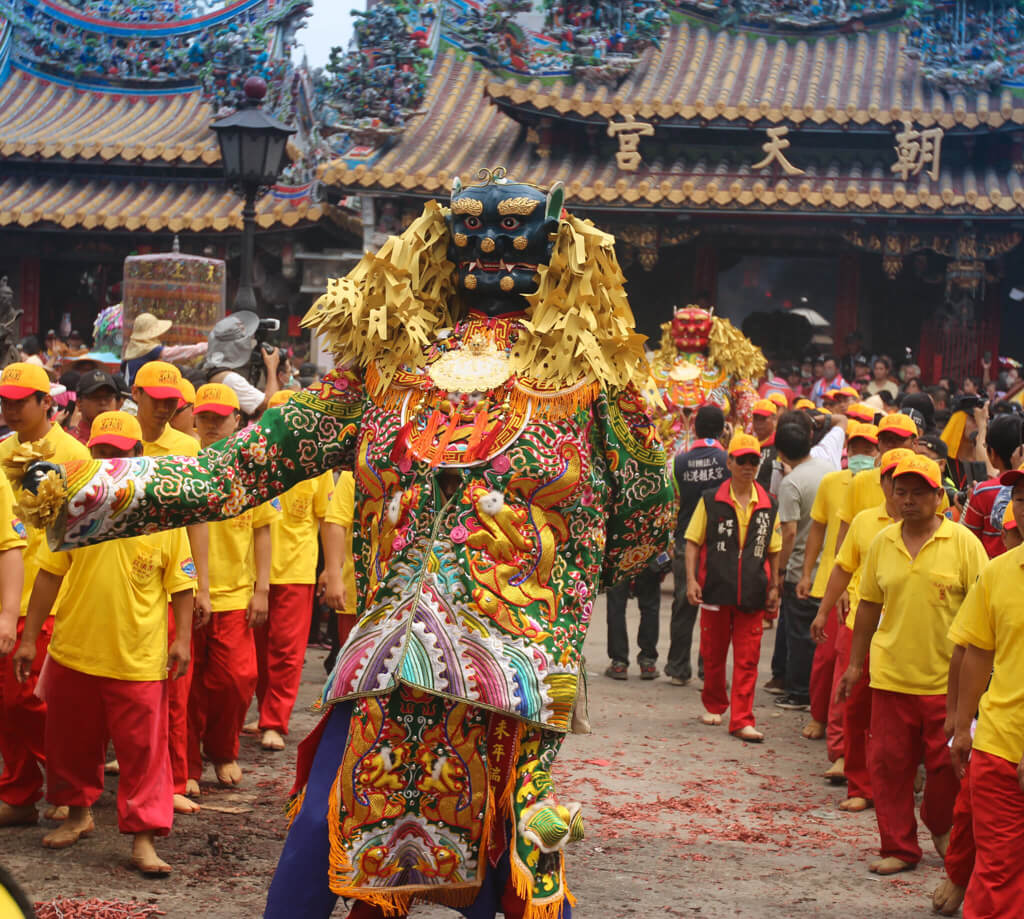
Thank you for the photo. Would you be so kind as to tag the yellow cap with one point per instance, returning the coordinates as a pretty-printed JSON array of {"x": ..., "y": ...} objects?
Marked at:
[
  {"x": 848, "y": 391},
  {"x": 898, "y": 423},
  {"x": 893, "y": 458},
  {"x": 765, "y": 407},
  {"x": 20, "y": 380},
  {"x": 779, "y": 399},
  {"x": 216, "y": 398},
  {"x": 280, "y": 397},
  {"x": 159, "y": 380},
  {"x": 119, "y": 429},
  {"x": 861, "y": 412},
  {"x": 864, "y": 431},
  {"x": 188, "y": 393},
  {"x": 744, "y": 445},
  {"x": 916, "y": 464},
  {"x": 804, "y": 403}
]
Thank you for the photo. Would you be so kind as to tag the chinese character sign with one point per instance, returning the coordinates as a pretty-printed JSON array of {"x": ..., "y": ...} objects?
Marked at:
[
  {"x": 629, "y": 133},
  {"x": 773, "y": 148},
  {"x": 917, "y": 149}
]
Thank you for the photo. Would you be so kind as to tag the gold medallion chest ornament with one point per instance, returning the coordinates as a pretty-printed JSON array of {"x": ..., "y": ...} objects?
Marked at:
[{"x": 477, "y": 367}]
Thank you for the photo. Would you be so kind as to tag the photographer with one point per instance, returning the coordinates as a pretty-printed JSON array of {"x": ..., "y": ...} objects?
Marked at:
[
  {"x": 1001, "y": 441},
  {"x": 234, "y": 347},
  {"x": 965, "y": 435}
]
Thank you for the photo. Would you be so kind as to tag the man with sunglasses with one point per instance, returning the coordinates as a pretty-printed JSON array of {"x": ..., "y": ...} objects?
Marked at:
[{"x": 734, "y": 533}]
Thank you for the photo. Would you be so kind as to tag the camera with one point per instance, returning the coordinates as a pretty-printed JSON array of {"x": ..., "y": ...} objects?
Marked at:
[
  {"x": 256, "y": 369},
  {"x": 967, "y": 403}
]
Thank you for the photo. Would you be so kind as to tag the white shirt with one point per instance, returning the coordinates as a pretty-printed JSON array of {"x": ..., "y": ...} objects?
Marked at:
[
  {"x": 249, "y": 397},
  {"x": 830, "y": 448}
]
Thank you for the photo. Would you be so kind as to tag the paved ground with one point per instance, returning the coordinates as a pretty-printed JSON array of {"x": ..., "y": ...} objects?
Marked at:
[{"x": 682, "y": 820}]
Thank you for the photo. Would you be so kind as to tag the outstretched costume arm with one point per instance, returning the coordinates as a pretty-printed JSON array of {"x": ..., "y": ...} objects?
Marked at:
[
  {"x": 644, "y": 503},
  {"x": 313, "y": 432}
]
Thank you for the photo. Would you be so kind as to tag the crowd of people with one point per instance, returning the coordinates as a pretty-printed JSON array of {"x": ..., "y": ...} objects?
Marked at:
[
  {"x": 870, "y": 526},
  {"x": 870, "y": 523},
  {"x": 188, "y": 639}
]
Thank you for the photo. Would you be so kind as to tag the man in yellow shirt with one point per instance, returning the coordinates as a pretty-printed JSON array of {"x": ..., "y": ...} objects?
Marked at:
[
  {"x": 338, "y": 579},
  {"x": 182, "y": 419},
  {"x": 12, "y": 569},
  {"x": 844, "y": 580},
  {"x": 992, "y": 684},
  {"x": 920, "y": 570},
  {"x": 158, "y": 390},
  {"x": 826, "y": 718},
  {"x": 108, "y": 667},
  {"x": 224, "y": 650},
  {"x": 281, "y": 642},
  {"x": 25, "y": 400},
  {"x": 739, "y": 583}
]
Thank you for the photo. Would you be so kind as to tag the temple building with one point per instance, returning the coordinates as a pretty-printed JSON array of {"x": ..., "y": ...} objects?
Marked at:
[
  {"x": 809, "y": 167},
  {"x": 106, "y": 148}
]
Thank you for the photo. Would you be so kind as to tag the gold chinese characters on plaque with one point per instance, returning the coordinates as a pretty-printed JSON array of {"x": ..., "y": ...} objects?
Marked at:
[
  {"x": 773, "y": 152},
  {"x": 917, "y": 149},
  {"x": 629, "y": 133}
]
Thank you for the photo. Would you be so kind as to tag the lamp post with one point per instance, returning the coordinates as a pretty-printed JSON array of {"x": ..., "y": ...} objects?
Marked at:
[{"x": 253, "y": 149}]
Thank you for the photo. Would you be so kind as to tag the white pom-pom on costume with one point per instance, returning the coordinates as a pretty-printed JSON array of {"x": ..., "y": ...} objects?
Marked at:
[
  {"x": 395, "y": 508},
  {"x": 492, "y": 502}
]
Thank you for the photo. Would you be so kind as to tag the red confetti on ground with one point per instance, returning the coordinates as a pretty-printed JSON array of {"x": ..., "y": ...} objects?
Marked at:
[{"x": 95, "y": 908}]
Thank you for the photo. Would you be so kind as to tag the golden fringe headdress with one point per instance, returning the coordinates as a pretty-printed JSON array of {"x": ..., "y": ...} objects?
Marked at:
[
  {"x": 580, "y": 326},
  {"x": 728, "y": 349}
]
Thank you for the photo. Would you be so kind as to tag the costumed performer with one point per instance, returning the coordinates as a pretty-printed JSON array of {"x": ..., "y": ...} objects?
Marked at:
[
  {"x": 505, "y": 472},
  {"x": 703, "y": 359}
]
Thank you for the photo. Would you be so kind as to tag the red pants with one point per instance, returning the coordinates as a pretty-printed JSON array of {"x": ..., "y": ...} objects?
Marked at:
[
  {"x": 224, "y": 656},
  {"x": 996, "y": 888},
  {"x": 905, "y": 730},
  {"x": 856, "y": 712},
  {"x": 85, "y": 710},
  {"x": 281, "y": 651},
  {"x": 346, "y": 623},
  {"x": 823, "y": 707},
  {"x": 719, "y": 627},
  {"x": 22, "y": 727},
  {"x": 959, "y": 859},
  {"x": 177, "y": 718}
]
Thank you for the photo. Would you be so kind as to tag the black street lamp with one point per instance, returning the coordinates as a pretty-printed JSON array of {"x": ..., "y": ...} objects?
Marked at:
[{"x": 253, "y": 149}]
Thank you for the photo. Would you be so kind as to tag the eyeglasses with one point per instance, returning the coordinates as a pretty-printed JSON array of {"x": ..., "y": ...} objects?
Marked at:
[{"x": 747, "y": 460}]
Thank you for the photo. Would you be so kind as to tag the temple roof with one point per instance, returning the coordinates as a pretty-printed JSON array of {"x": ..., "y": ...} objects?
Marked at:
[
  {"x": 460, "y": 130},
  {"x": 120, "y": 204},
  {"x": 43, "y": 118},
  {"x": 704, "y": 73}
]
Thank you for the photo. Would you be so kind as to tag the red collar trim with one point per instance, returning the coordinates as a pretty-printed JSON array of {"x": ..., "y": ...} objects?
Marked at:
[{"x": 722, "y": 494}]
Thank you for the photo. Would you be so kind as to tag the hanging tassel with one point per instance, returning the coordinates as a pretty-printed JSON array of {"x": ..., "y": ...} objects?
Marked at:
[
  {"x": 402, "y": 446},
  {"x": 426, "y": 439},
  {"x": 446, "y": 439},
  {"x": 479, "y": 428}
]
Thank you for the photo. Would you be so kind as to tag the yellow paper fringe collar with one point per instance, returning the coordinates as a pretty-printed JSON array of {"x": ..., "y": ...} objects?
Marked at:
[
  {"x": 728, "y": 349},
  {"x": 579, "y": 325},
  {"x": 41, "y": 509}
]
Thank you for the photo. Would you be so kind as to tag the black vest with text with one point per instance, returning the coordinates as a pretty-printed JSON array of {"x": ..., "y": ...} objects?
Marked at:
[{"x": 735, "y": 575}]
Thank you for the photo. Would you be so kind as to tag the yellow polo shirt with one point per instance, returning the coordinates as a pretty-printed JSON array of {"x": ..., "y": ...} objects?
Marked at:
[
  {"x": 829, "y": 499},
  {"x": 171, "y": 442},
  {"x": 65, "y": 450},
  {"x": 865, "y": 527},
  {"x": 341, "y": 512},
  {"x": 233, "y": 560},
  {"x": 294, "y": 530},
  {"x": 864, "y": 493},
  {"x": 112, "y": 621},
  {"x": 910, "y": 651},
  {"x": 12, "y": 531},
  {"x": 697, "y": 529},
  {"x": 992, "y": 618}
]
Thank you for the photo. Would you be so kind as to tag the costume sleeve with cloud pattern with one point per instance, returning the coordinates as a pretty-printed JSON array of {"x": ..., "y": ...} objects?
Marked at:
[
  {"x": 311, "y": 433},
  {"x": 644, "y": 503}
]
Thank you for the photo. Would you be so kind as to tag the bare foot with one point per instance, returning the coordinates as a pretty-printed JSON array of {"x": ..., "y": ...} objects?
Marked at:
[
  {"x": 891, "y": 866},
  {"x": 941, "y": 843},
  {"x": 112, "y": 768},
  {"x": 228, "y": 773},
  {"x": 854, "y": 805},
  {"x": 947, "y": 898},
  {"x": 272, "y": 740},
  {"x": 18, "y": 816},
  {"x": 56, "y": 813},
  {"x": 253, "y": 727},
  {"x": 836, "y": 773},
  {"x": 144, "y": 856},
  {"x": 710, "y": 718},
  {"x": 749, "y": 734},
  {"x": 813, "y": 730},
  {"x": 183, "y": 805},
  {"x": 192, "y": 788},
  {"x": 78, "y": 824}
]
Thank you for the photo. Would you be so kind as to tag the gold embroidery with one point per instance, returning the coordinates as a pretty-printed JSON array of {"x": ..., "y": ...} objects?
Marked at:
[
  {"x": 468, "y": 206},
  {"x": 523, "y": 206}
]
